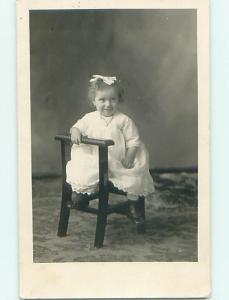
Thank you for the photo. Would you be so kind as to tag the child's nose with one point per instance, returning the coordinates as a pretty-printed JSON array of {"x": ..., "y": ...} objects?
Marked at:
[{"x": 108, "y": 102}]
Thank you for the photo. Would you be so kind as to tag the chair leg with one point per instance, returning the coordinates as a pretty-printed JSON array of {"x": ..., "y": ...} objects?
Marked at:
[
  {"x": 141, "y": 227},
  {"x": 101, "y": 222},
  {"x": 65, "y": 210},
  {"x": 103, "y": 197},
  {"x": 142, "y": 206}
]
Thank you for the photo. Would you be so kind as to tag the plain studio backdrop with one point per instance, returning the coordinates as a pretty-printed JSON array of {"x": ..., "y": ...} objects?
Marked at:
[{"x": 153, "y": 52}]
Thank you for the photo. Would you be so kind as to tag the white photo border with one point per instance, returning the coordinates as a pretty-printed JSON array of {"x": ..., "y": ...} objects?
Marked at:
[{"x": 119, "y": 279}]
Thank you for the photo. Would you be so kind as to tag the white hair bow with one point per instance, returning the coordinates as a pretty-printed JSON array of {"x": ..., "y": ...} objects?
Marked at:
[{"x": 108, "y": 80}]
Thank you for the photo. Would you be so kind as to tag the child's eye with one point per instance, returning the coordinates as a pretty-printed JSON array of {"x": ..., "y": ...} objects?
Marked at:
[{"x": 102, "y": 99}]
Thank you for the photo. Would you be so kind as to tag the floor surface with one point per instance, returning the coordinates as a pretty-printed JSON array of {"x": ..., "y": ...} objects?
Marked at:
[{"x": 171, "y": 225}]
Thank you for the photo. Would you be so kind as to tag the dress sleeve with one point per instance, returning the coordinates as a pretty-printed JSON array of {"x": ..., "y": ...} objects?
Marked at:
[
  {"x": 131, "y": 134},
  {"x": 81, "y": 124}
]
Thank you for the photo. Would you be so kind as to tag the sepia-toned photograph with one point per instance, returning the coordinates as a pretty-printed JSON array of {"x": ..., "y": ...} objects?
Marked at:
[
  {"x": 113, "y": 116},
  {"x": 127, "y": 81}
]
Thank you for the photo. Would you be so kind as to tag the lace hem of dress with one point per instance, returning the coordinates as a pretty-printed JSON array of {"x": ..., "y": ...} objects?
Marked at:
[
  {"x": 83, "y": 189},
  {"x": 144, "y": 193},
  {"x": 93, "y": 189}
]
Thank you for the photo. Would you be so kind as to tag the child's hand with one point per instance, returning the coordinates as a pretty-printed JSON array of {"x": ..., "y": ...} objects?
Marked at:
[
  {"x": 128, "y": 161},
  {"x": 75, "y": 135}
]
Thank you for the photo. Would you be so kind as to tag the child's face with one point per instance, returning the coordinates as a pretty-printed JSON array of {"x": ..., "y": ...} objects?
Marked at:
[{"x": 106, "y": 101}]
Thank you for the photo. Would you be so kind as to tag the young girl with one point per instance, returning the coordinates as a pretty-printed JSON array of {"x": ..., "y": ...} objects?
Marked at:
[{"x": 128, "y": 158}]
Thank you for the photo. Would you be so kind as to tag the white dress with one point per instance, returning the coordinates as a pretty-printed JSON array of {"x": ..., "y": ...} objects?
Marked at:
[{"x": 83, "y": 171}]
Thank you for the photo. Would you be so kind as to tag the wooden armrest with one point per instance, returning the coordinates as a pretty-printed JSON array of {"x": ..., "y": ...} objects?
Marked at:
[
  {"x": 96, "y": 142},
  {"x": 63, "y": 138},
  {"x": 85, "y": 140}
]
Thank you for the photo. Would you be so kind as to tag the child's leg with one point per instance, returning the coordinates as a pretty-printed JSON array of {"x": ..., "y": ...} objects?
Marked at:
[
  {"x": 137, "y": 211},
  {"x": 79, "y": 201}
]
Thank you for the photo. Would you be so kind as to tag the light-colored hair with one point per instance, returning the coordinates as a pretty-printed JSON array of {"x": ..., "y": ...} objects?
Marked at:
[{"x": 99, "y": 84}]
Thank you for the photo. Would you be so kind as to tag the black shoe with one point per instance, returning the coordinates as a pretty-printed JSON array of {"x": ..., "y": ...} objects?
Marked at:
[
  {"x": 137, "y": 215},
  {"x": 79, "y": 201}
]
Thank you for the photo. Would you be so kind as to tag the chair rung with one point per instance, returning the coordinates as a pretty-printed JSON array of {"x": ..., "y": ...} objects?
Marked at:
[
  {"x": 120, "y": 208},
  {"x": 91, "y": 210},
  {"x": 118, "y": 193}
]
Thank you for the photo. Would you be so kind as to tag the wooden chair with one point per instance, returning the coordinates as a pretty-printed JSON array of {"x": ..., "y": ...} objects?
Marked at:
[{"x": 105, "y": 187}]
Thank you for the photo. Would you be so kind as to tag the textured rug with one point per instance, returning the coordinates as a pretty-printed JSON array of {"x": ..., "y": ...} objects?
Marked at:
[{"x": 171, "y": 225}]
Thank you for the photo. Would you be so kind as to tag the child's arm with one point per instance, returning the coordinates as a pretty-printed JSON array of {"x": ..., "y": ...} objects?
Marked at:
[
  {"x": 128, "y": 161},
  {"x": 75, "y": 135},
  {"x": 79, "y": 128},
  {"x": 130, "y": 133},
  {"x": 132, "y": 141}
]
